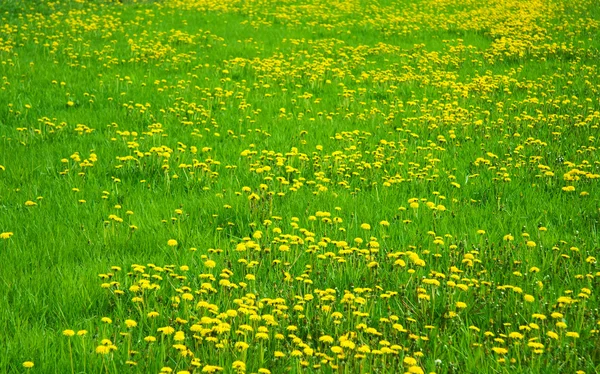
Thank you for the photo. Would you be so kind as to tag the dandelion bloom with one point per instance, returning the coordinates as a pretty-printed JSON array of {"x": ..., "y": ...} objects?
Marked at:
[
  {"x": 172, "y": 243},
  {"x": 415, "y": 370},
  {"x": 211, "y": 369},
  {"x": 410, "y": 361},
  {"x": 103, "y": 349},
  {"x": 166, "y": 330},
  {"x": 239, "y": 365},
  {"x": 68, "y": 333},
  {"x": 326, "y": 339},
  {"x": 130, "y": 323},
  {"x": 6, "y": 235},
  {"x": 28, "y": 364}
]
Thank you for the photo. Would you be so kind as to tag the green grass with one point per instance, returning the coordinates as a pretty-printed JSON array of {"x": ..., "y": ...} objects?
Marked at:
[{"x": 350, "y": 108}]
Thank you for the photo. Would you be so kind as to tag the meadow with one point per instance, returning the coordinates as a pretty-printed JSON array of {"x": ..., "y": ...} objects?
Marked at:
[{"x": 253, "y": 186}]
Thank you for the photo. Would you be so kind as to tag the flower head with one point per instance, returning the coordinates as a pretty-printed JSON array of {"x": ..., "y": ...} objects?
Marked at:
[{"x": 68, "y": 333}]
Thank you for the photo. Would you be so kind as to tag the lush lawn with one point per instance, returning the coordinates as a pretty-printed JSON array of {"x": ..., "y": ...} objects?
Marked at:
[{"x": 302, "y": 186}]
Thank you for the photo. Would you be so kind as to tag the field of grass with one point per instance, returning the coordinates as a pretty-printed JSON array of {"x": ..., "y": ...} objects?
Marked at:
[{"x": 253, "y": 186}]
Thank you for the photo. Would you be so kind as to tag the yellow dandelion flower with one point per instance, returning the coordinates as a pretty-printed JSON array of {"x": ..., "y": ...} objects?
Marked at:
[
  {"x": 326, "y": 339},
  {"x": 103, "y": 349},
  {"x": 6, "y": 235},
  {"x": 68, "y": 333},
  {"x": 500, "y": 350},
  {"x": 130, "y": 323},
  {"x": 410, "y": 361},
  {"x": 415, "y": 370},
  {"x": 239, "y": 365},
  {"x": 211, "y": 369},
  {"x": 461, "y": 305},
  {"x": 168, "y": 330}
]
